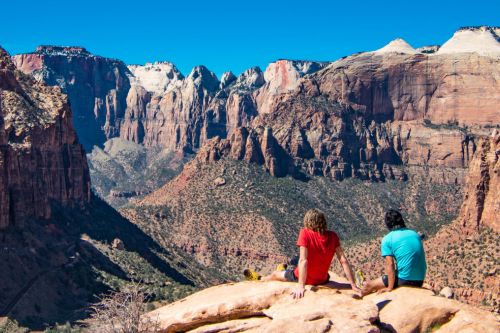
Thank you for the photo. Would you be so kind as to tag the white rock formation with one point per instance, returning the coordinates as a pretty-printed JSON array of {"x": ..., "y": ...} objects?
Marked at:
[
  {"x": 397, "y": 46},
  {"x": 158, "y": 77},
  {"x": 480, "y": 40},
  {"x": 227, "y": 79},
  {"x": 251, "y": 78}
]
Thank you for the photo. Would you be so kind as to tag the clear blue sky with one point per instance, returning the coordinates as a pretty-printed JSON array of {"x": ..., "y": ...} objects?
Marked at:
[{"x": 234, "y": 35}]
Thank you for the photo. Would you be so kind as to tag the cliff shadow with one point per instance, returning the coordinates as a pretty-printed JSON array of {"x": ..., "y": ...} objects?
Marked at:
[
  {"x": 49, "y": 276},
  {"x": 103, "y": 223},
  {"x": 52, "y": 270}
]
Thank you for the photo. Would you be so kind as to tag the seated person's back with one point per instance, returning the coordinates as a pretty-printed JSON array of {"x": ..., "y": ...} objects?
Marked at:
[
  {"x": 321, "y": 249},
  {"x": 406, "y": 247}
]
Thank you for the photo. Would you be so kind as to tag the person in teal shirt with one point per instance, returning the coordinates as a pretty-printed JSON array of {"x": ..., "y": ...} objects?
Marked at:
[{"x": 404, "y": 256}]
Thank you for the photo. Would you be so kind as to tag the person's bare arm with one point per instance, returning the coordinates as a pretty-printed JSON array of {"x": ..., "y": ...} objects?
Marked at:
[
  {"x": 390, "y": 270},
  {"x": 347, "y": 268},
  {"x": 299, "y": 291}
]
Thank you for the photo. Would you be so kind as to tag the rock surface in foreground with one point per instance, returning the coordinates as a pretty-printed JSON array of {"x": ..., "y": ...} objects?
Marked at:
[
  {"x": 258, "y": 306},
  {"x": 268, "y": 307}
]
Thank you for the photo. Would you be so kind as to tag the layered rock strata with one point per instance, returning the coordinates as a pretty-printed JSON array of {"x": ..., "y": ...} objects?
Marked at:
[
  {"x": 97, "y": 87},
  {"x": 41, "y": 159},
  {"x": 181, "y": 119},
  {"x": 382, "y": 114},
  {"x": 372, "y": 115}
]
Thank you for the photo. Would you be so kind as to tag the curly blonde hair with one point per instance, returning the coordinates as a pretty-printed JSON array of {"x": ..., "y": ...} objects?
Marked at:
[{"x": 315, "y": 220}]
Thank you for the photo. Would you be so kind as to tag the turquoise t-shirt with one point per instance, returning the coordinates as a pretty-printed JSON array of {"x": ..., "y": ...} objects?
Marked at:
[{"x": 406, "y": 247}]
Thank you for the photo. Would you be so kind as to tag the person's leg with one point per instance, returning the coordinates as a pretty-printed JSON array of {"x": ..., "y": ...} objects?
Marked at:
[
  {"x": 275, "y": 276},
  {"x": 372, "y": 286}
]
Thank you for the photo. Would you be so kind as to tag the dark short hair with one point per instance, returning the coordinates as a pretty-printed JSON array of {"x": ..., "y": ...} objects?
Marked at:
[{"x": 394, "y": 219}]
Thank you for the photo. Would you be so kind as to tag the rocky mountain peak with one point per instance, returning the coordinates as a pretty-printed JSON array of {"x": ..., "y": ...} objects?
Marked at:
[
  {"x": 482, "y": 40},
  {"x": 252, "y": 78},
  {"x": 62, "y": 50},
  {"x": 482, "y": 199},
  {"x": 203, "y": 77},
  {"x": 157, "y": 77},
  {"x": 398, "y": 45},
  {"x": 227, "y": 79},
  {"x": 97, "y": 87}
]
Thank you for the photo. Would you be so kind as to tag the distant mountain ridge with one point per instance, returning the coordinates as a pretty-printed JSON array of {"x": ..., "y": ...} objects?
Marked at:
[
  {"x": 410, "y": 95},
  {"x": 109, "y": 108}
]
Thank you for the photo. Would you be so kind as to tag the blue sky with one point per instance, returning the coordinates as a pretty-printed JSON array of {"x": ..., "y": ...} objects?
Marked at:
[{"x": 234, "y": 35}]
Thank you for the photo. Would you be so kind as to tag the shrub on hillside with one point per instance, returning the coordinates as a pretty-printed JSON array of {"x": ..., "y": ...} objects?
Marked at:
[{"x": 121, "y": 312}]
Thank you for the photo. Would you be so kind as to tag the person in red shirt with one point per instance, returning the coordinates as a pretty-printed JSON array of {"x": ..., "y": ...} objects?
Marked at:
[{"x": 317, "y": 248}]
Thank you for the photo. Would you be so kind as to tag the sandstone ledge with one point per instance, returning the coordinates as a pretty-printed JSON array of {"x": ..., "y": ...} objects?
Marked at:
[{"x": 268, "y": 307}]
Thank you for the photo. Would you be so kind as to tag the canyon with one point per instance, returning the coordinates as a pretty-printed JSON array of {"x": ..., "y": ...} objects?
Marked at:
[
  {"x": 372, "y": 115},
  {"x": 210, "y": 176},
  {"x": 56, "y": 236}
]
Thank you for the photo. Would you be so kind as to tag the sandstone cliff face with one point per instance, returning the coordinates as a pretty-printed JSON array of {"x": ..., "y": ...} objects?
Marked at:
[
  {"x": 254, "y": 146},
  {"x": 481, "y": 206},
  {"x": 97, "y": 87},
  {"x": 281, "y": 77},
  {"x": 391, "y": 113},
  {"x": 181, "y": 119},
  {"x": 456, "y": 85},
  {"x": 322, "y": 143},
  {"x": 40, "y": 157},
  {"x": 186, "y": 115},
  {"x": 378, "y": 115},
  {"x": 461, "y": 87}
]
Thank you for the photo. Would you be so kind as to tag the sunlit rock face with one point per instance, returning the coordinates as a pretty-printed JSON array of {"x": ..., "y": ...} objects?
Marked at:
[
  {"x": 373, "y": 115},
  {"x": 41, "y": 160},
  {"x": 157, "y": 77},
  {"x": 481, "y": 206},
  {"x": 180, "y": 118},
  {"x": 382, "y": 114},
  {"x": 269, "y": 307},
  {"x": 97, "y": 87},
  {"x": 481, "y": 40}
]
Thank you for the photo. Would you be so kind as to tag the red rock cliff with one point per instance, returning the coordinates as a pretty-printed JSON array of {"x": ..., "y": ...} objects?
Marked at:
[
  {"x": 41, "y": 160},
  {"x": 482, "y": 190},
  {"x": 97, "y": 87},
  {"x": 382, "y": 114}
]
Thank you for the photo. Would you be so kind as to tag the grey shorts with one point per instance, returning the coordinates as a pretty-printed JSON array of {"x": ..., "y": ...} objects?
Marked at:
[{"x": 290, "y": 275}]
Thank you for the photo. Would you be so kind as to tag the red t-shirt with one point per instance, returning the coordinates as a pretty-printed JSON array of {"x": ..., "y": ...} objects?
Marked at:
[{"x": 320, "y": 252}]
